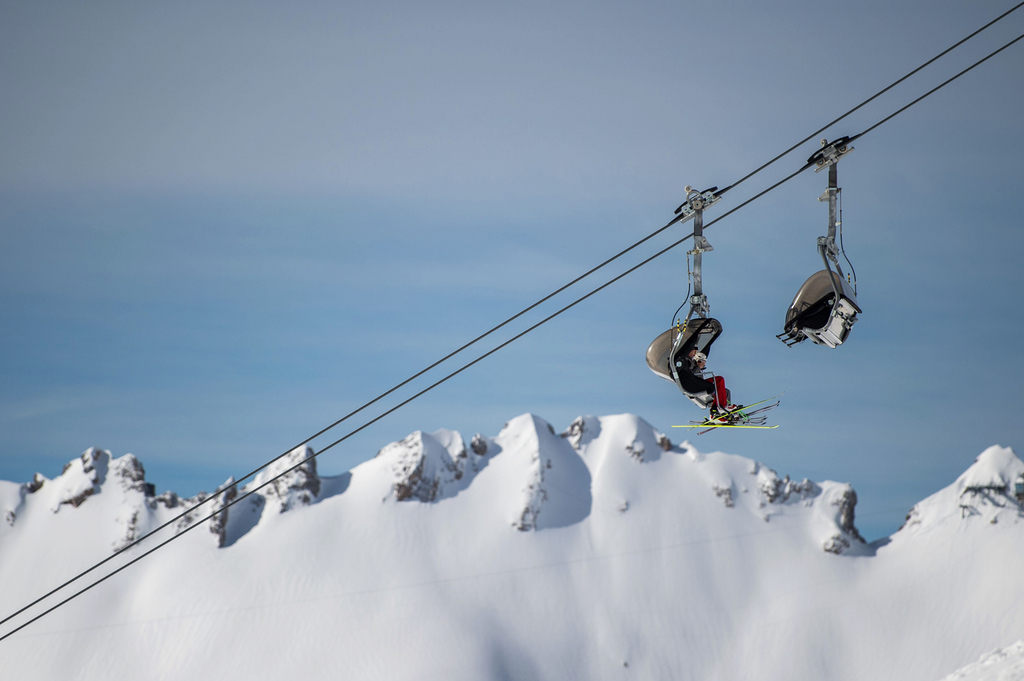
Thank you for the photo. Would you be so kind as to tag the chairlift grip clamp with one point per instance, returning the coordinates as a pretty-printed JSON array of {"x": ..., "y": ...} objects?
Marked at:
[
  {"x": 830, "y": 153},
  {"x": 695, "y": 201}
]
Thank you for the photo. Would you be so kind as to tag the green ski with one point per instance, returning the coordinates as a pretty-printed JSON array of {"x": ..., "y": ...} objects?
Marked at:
[
  {"x": 726, "y": 425},
  {"x": 718, "y": 421}
]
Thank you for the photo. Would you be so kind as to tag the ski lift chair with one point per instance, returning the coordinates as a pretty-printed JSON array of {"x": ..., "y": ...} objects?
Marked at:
[
  {"x": 824, "y": 310},
  {"x": 666, "y": 353},
  {"x": 673, "y": 345}
]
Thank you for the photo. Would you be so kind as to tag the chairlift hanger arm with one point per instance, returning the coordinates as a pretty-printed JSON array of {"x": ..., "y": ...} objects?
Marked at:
[
  {"x": 693, "y": 208},
  {"x": 828, "y": 157},
  {"x": 827, "y": 243},
  {"x": 696, "y": 203}
]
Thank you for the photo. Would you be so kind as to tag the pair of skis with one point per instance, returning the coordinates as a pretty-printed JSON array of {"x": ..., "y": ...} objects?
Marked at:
[{"x": 738, "y": 418}]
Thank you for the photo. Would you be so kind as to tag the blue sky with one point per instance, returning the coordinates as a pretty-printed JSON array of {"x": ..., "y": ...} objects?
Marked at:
[{"x": 223, "y": 226}]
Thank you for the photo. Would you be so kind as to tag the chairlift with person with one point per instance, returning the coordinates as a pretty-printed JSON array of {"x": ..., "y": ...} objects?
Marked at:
[{"x": 667, "y": 354}]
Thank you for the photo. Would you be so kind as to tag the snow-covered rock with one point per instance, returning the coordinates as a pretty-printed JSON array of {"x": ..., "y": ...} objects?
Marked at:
[
  {"x": 426, "y": 467},
  {"x": 982, "y": 494},
  {"x": 80, "y": 479},
  {"x": 289, "y": 481}
]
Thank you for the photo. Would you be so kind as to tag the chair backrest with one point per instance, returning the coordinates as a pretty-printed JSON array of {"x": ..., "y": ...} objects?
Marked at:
[
  {"x": 814, "y": 293},
  {"x": 699, "y": 333}
]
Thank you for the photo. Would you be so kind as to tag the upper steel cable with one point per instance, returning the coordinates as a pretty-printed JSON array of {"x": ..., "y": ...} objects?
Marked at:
[
  {"x": 938, "y": 87},
  {"x": 875, "y": 96}
]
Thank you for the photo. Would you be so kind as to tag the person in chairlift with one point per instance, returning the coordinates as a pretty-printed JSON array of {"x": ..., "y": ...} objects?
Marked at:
[{"x": 694, "y": 381}]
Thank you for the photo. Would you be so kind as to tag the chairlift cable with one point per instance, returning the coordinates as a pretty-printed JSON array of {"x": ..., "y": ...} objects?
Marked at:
[
  {"x": 875, "y": 96},
  {"x": 938, "y": 87},
  {"x": 490, "y": 352}
]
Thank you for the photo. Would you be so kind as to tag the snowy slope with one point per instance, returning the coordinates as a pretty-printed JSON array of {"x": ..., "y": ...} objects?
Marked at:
[{"x": 603, "y": 552}]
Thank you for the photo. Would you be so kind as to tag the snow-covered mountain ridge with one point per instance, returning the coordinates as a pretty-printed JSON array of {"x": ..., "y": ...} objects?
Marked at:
[
  {"x": 549, "y": 483},
  {"x": 600, "y": 552}
]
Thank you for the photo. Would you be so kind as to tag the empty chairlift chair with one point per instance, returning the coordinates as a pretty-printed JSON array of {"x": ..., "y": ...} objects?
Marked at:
[{"x": 825, "y": 308}]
